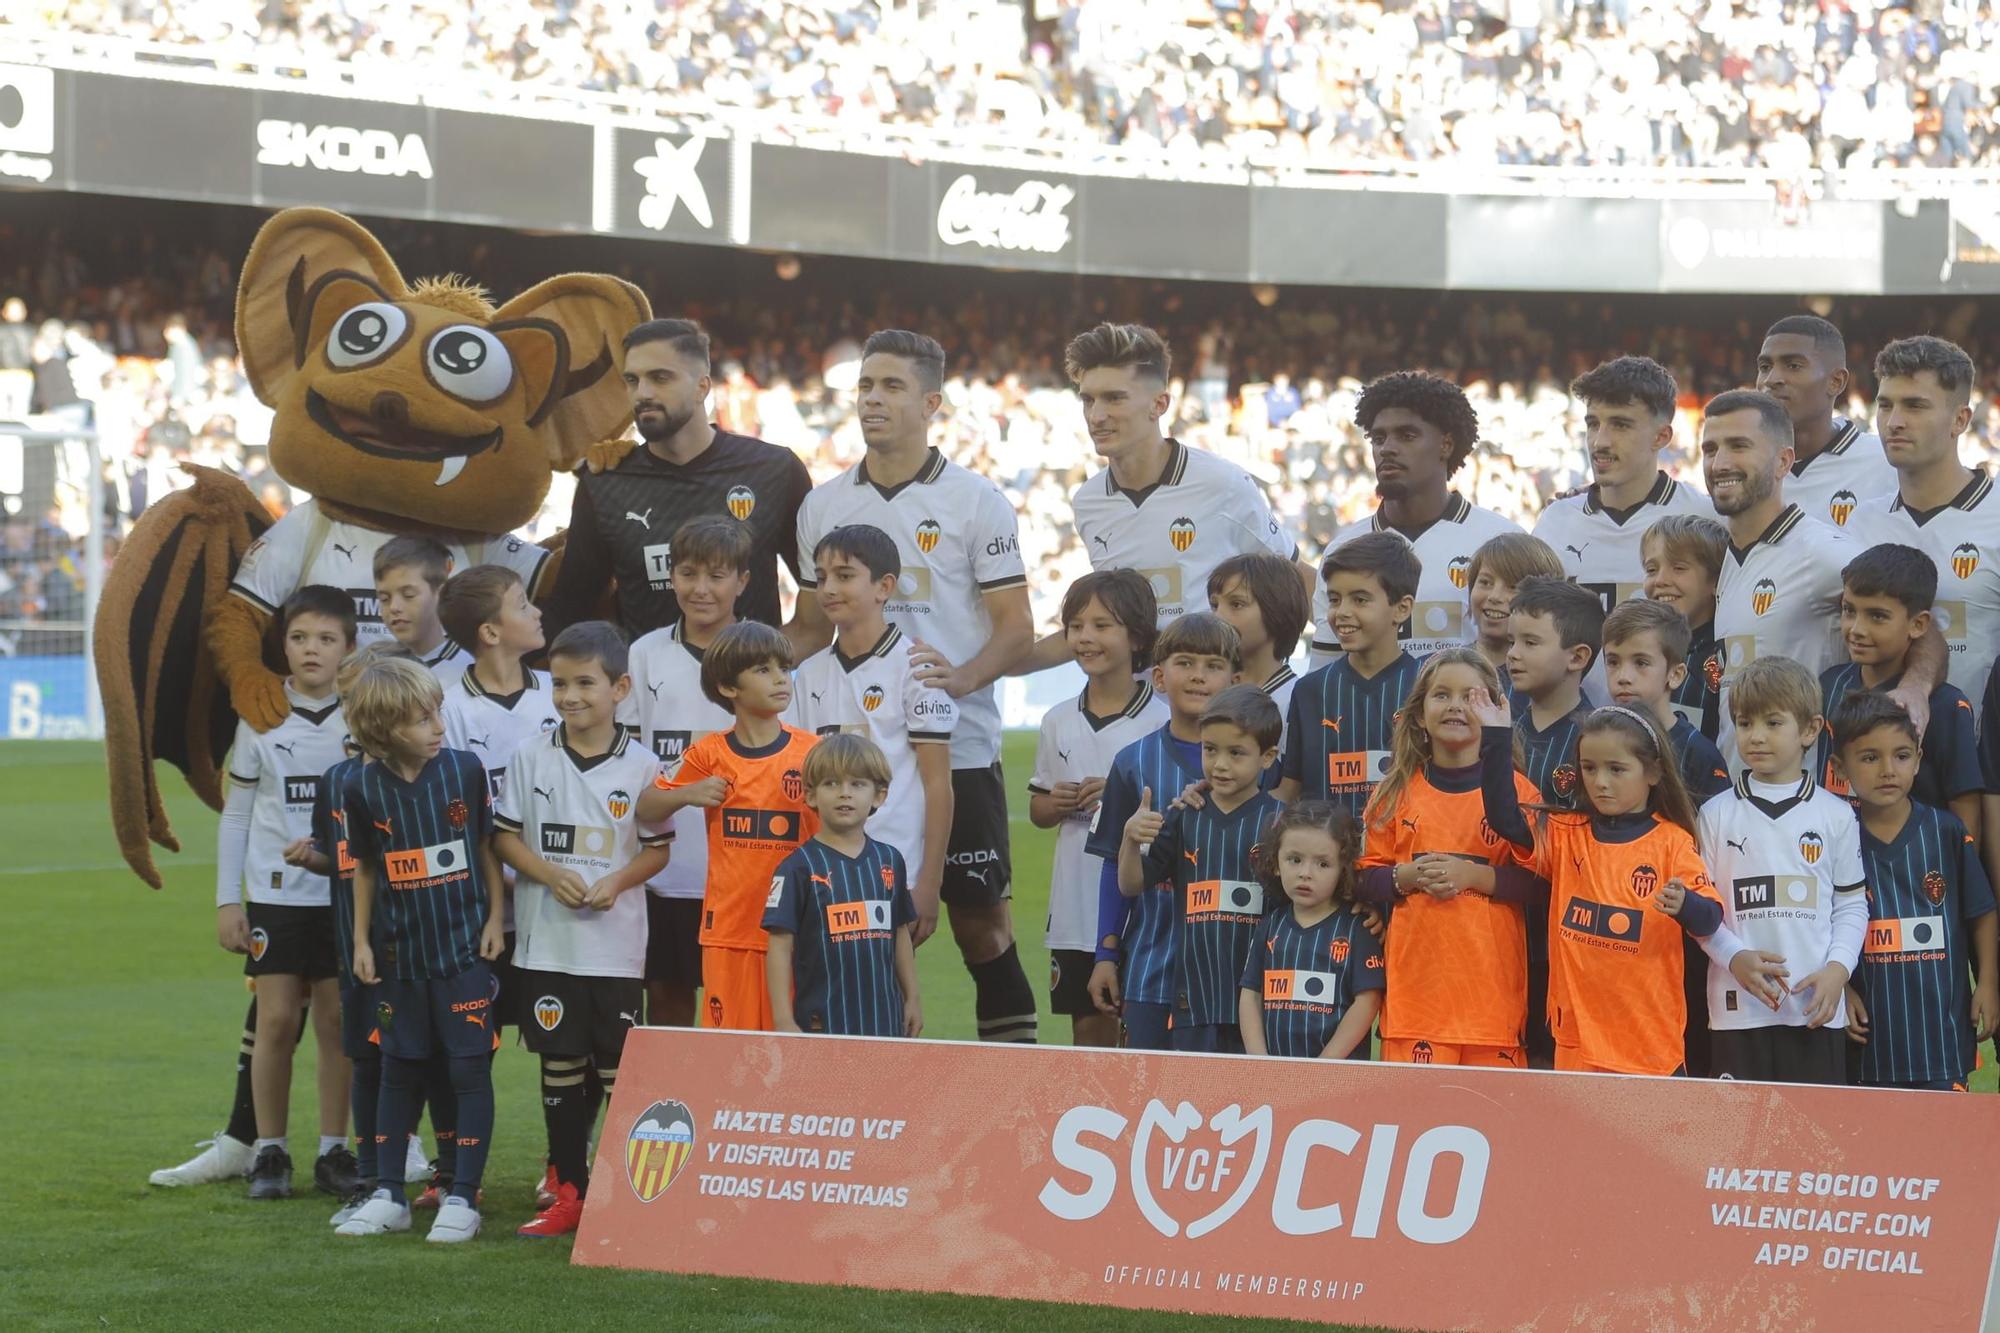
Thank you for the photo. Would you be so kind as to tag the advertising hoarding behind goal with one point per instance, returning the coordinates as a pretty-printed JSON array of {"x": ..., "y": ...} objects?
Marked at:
[{"x": 1331, "y": 1191}]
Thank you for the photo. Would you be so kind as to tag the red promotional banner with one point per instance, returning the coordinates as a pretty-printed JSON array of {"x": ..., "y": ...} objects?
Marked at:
[{"x": 1351, "y": 1193}]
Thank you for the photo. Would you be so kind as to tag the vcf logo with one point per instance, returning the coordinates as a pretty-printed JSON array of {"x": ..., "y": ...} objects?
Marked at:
[
  {"x": 659, "y": 1145},
  {"x": 1181, "y": 533},
  {"x": 1460, "y": 570},
  {"x": 928, "y": 533},
  {"x": 1711, "y": 671},
  {"x": 259, "y": 943},
  {"x": 1964, "y": 560},
  {"x": 794, "y": 784},
  {"x": 871, "y": 698},
  {"x": 1841, "y": 507},
  {"x": 1338, "y": 949},
  {"x": 1934, "y": 886},
  {"x": 1810, "y": 846},
  {"x": 1761, "y": 596},
  {"x": 549, "y": 1013},
  {"x": 1644, "y": 880},
  {"x": 742, "y": 502}
]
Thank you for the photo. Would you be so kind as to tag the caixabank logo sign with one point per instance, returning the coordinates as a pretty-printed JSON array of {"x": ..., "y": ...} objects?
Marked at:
[
  {"x": 1189, "y": 1173},
  {"x": 27, "y": 123}
]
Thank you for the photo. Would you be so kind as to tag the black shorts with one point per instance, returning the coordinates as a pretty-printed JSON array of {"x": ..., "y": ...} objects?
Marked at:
[
  {"x": 569, "y": 1015},
  {"x": 506, "y": 987},
  {"x": 357, "y": 1023},
  {"x": 1206, "y": 1038},
  {"x": 673, "y": 941},
  {"x": 290, "y": 942},
  {"x": 1781, "y": 1054},
  {"x": 451, "y": 1016},
  {"x": 1069, "y": 982},
  {"x": 978, "y": 869}
]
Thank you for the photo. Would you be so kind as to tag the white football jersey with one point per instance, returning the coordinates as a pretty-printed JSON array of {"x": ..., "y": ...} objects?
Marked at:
[
  {"x": 1848, "y": 473},
  {"x": 959, "y": 541},
  {"x": 1279, "y": 687},
  {"x": 580, "y": 814},
  {"x": 448, "y": 662},
  {"x": 305, "y": 547},
  {"x": 667, "y": 706},
  {"x": 1599, "y": 547},
  {"x": 1781, "y": 856},
  {"x": 1445, "y": 548},
  {"x": 1073, "y": 747},
  {"x": 877, "y": 695},
  {"x": 1779, "y": 597},
  {"x": 285, "y": 765},
  {"x": 1203, "y": 510},
  {"x": 1963, "y": 540},
  {"x": 495, "y": 726}
]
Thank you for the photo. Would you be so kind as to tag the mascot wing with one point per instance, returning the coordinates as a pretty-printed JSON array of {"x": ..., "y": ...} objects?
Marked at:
[{"x": 162, "y": 697}]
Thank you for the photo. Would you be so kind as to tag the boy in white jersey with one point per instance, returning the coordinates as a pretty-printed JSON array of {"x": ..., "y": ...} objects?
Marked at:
[
  {"x": 568, "y": 823},
  {"x": 1420, "y": 431},
  {"x": 963, "y": 598},
  {"x": 863, "y": 684},
  {"x": 287, "y": 931},
  {"x": 1787, "y": 858},
  {"x": 1110, "y": 624},
  {"x": 1628, "y": 406},
  {"x": 710, "y": 570},
  {"x": 409, "y": 576}
]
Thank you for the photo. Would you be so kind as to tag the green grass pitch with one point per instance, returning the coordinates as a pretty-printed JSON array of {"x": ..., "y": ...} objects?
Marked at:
[{"x": 122, "y": 1018}]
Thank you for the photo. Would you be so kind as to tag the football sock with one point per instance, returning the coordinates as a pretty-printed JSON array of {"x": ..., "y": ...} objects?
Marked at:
[
  {"x": 472, "y": 1089},
  {"x": 401, "y": 1082},
  {"x": 365, "y": 1097},
  {"x": 243, "y": 1111},
  {"x": 595, "y": 1089},
  {"x": 328, "y": 1142},
  {"x": 438, "y": 1087},
  {"x": 279, "y": 1143},
  {"x": 1003, "y": 1001},
  {"x": 566, "y": 1112}
]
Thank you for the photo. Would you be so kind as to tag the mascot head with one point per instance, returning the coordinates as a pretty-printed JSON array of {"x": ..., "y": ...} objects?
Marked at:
[{"x": 422, "y": 403}]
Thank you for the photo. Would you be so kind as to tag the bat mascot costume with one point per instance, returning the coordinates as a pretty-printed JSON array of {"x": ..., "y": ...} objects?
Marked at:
[{"x": 403, "y": 408}]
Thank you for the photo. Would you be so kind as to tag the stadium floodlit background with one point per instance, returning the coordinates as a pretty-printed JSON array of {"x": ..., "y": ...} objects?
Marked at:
[{"x": 1300, "y": 195}]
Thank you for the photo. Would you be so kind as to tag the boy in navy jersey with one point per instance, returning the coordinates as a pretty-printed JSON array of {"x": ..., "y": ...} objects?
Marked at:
[
  {"x": 1645, "y": 661},
  {"x": 841, "y": 918},
  {"x": 427, "y": 895},
  {"x": 1207, "y": 855},
  {"x": 1682, "y": 557},
  {"x": 1911, "y": 1006},
  {"x": 1886, "y": 597},
  {"x": 1341, "y": 717},
  {"x": 1195, "y": 659},
  {"x": 1262, "y": 599},
  {"x": 1313, "y": 984}
]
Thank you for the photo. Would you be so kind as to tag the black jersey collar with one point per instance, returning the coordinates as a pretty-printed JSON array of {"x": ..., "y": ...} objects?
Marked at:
[
  {"x": 1663, "y": 491},
  {"x": 1137, "y": 705},
  {"x": 620, "y": 738},
  {"x": 1779, "y": 808},
  {"x": 506, "y": 701},
  {"x": 1845, "y": 433},
  {"x": 1171, "y": 475},
  {"x": 1280, "y": 678},
  {"x": 316, "y": 716},
  {"x": 933, "y": 468},
  {"x": 1967, "y": 499},
  {"x": 1781, "y": 526},
  {"x": 699, "y": 654},
  {"x": 1456, "y": 510},
  {"x": 890, "y": 637}
]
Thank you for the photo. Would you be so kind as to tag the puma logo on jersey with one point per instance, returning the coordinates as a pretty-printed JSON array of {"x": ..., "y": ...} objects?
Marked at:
[
  {"x": 285, "y": 746},
  {"x": 383, "y": 824},
  {"x": 1063, "y": 755},
  {"x": 1409, "y": 824},
  {"x": 644, "y": 520},
  {"x": 653, "y": 688},
  {"x": 1332, "y": 724},
  {"x": 1191, "y": 859},
  {"x": 1103, "y": 541},
  {"x": 814, "y": 694},
  {"x": 821, "y": 879},
  {"x": 480, "y": 741},
  {"x": 1737, "y": 845},
  {"x": 1576, "y": 551},
  {"x": 347, "y": 551},
  {"x": 545, "y": 794}
]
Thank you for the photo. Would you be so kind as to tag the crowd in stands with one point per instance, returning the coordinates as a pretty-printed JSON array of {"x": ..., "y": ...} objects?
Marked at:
[
  {"x": 140, "y": 331},
  {"x": 1789, "y": 85}
]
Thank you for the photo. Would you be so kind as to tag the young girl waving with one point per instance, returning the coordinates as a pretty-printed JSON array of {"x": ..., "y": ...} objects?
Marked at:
[
  {"x": 1625, "y": 881},
  {"x": 1458, "y": 945},
  {"x": 1313, "y": 983}
]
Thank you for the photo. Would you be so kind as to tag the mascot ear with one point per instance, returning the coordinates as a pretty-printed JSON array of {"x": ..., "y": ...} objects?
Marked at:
[
  {"x": 579, "y": 397},
  {"x": 306, "y": 266}
]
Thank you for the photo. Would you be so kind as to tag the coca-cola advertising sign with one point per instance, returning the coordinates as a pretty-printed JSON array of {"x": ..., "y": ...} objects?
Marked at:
[{"x": 1033, "y": 216}]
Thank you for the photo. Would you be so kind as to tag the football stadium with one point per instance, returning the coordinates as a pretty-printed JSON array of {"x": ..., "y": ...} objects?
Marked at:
[{"x": 984, "y": 664}]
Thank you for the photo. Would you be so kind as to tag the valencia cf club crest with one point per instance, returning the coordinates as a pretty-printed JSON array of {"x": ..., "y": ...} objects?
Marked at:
[
  {"x": 1563, "y": 780},
  {"x": 1644, "y": 880},
  {"x": 1421, "y": 1053},
  {"x": 1711, "y": 671},
  {"x": 1181, "y": 533},
  {"x": 1460, "y": 570},
  {"x": 1934, "y": 886},
  {"x": 1841, "y": 507},
  {"x": 1338, "y": 949},
  {"x": 549, "y": 1013},
  {"x": 1486, "y": 833},
  {"x": 1965, "y": 560},
  {"x": 742, "y": 502},
  {"x": 1810, "y": 847},
  {"x": 871, "y": 698},
  {"x": 259, "y": 943},
  {"x": 619, "y": 803},
  {"x": 795, "y": 784},
  {"x": 660, "y": 1144},
  {"x": 928, "y": 533},
  {"x": 1761, "y": 596},
  {"x": 889, "y": 878},
  {"x": 456, "y": 813}
]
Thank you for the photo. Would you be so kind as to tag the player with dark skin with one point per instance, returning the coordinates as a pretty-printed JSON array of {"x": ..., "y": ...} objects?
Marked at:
[{"x": 1412, "y": 468}]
